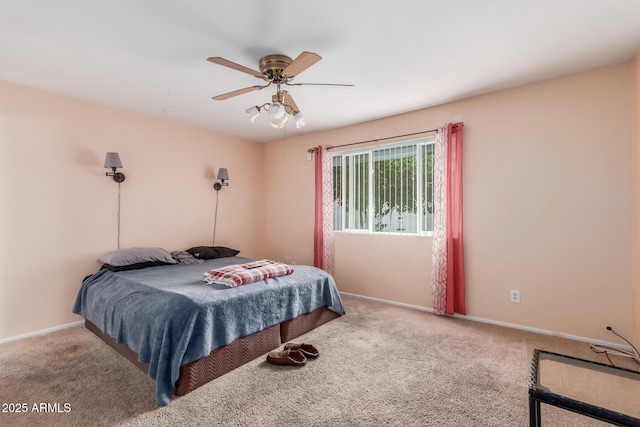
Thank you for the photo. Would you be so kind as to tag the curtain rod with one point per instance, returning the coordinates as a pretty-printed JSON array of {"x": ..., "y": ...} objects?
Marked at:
[{"x": 310, "y": 150}]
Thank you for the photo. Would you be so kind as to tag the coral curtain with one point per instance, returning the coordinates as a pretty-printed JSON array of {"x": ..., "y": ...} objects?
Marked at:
[
  {"x": 323, "y": 227},
  {"x": 447, "y": 272}
]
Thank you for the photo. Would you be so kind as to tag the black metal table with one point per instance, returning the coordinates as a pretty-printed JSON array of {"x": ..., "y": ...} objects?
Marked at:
[{"x": 604, "y": 392}]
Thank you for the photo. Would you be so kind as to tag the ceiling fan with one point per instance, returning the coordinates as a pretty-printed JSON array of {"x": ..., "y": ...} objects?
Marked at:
[{"x": 279, "y": 70}]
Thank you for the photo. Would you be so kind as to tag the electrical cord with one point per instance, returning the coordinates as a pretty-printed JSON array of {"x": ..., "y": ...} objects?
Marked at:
[
  {"x": 635, "y": 355},
  {"x": 215, "y": 221},
  {"x": 118, "y": 215}
]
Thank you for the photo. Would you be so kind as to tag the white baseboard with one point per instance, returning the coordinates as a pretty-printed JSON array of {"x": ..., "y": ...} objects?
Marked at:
[
  {"x": 41, "y": 332},
  {"x": 495, "y": 322}
]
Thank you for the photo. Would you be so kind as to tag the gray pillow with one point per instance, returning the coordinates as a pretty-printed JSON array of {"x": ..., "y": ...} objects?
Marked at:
[{"x": 136, "y": 255}]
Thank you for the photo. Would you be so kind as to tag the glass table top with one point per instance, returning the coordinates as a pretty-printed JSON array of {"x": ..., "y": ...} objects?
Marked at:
[{"x": 611, "y": 388}]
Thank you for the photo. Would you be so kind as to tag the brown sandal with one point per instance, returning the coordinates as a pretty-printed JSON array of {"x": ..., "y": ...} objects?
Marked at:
[
  {"x": 307, "y": 349},
  {"x": 287, "y": 357}
]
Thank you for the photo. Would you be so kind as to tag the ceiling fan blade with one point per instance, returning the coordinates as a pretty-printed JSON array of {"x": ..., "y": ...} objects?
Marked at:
[
  {"x": 301, "y": 63},
  {"x": 318, "y": 84},
  {"x": 237, "y": 92},
  {"x": 227, "y": 63},
  {"x": 288, "y": 100}
]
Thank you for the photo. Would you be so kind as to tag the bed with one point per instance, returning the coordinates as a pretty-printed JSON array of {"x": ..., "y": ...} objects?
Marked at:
[{"x": 183, "y": 332}]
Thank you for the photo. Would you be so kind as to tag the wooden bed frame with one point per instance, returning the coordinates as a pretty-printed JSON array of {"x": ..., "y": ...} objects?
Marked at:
[{"x": 231, "y": 356}]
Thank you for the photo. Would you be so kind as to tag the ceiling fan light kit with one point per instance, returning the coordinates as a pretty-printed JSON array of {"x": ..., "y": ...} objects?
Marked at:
[
  {"x": 279, "y": 111},
  {"x": 278, "y": 70}
]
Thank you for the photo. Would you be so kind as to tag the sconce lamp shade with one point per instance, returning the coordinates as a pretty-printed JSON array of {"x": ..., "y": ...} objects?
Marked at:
[
  {"x": 223, "y": 175},
  {"x": 112, "y": 161}
]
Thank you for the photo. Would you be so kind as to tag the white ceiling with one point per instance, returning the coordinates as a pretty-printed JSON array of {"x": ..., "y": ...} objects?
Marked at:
[{"x": 149, "y": 56}]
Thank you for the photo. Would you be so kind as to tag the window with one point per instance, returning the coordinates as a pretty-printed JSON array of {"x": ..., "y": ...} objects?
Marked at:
[{"x": 385, "y": 189}]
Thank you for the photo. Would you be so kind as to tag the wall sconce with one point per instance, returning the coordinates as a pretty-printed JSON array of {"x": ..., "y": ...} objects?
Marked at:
[
  {"x": 223, "y": 176},
  {"x": 113, "y": 162}
]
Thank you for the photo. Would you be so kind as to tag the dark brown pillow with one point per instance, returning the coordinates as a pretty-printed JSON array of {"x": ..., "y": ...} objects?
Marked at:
[
  {"x": 136, "y": 266},
  {"x": 212, "y": 252}
]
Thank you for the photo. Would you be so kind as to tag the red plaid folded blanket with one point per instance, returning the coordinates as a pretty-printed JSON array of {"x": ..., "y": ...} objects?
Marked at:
[{"x": 241, "y": 274}]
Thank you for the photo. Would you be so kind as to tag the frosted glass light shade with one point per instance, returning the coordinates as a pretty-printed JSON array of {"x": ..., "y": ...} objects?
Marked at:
[
  {"x": 276, "y": 111},
  {"x": 252, "y": 112},
  {"x": 300, "y": 120},
  {"x": 279, "y": 122}
]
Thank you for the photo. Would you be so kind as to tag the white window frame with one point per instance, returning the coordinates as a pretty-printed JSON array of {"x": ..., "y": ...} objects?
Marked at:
[{"x": 418, "y": 143}]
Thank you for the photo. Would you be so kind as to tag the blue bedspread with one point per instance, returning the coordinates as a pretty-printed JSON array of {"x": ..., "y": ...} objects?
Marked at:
[{"x": 170, "y": 317}]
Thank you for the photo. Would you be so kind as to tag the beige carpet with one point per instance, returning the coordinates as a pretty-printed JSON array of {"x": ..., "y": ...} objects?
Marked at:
[{"x": 379, "y": 365}]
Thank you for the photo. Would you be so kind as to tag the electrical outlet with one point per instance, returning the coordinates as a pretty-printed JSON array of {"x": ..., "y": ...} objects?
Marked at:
[{"x": 515, "y": 296}]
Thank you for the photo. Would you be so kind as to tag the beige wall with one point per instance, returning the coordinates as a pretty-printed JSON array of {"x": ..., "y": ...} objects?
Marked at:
[
  {"x": 549, "y": 202},
  {"x": 58, "y": 210},
  {"x": 548, "y": 207},
  {"x": 636, "y": 195}
]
